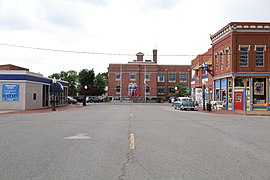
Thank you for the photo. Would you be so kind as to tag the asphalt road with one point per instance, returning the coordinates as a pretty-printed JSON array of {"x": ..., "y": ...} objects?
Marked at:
[{"x": 133, "y": 141}]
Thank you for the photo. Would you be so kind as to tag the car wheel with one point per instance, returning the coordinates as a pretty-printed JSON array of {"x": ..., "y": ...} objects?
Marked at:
[{"x": 192, "y": 109}]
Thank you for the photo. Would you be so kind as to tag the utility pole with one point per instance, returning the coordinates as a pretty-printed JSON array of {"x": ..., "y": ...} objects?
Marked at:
[
  {"x": 203, "y": 96},
  {"x": 145, "y": 83},
  {"x": 120, "y": 82}
]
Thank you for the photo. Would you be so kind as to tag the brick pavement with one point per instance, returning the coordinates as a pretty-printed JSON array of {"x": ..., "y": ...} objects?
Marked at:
[
  {"x": 42, "y": 110},
  {"x": 236, "y": 112}
]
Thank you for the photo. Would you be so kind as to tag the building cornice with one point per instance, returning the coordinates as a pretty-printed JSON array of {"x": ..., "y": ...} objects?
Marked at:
[{"x": 240, "y": 27}]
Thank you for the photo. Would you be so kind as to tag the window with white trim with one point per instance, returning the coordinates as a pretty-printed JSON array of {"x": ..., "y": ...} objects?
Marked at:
[
  {"x": 160, "y": 89},
  {"x": 222, "y": 60},
  {"x": 161, "y": 77},
  {"x": 259, "y": 56},
  {"x": 132, "y": 76},
  {"x": 117, "y": 76},
  {"x": 244, "y": 56},
  {"x": 216, "y": 61},
  {"x": 183, "y": 77},
  {"x": 147, "y": 77},
  {"x": 228, "y": 58},
  {"x": 172, "y": 76},
  {"x": 118, "y": 89},
  {"x": 147, "y": 89}
]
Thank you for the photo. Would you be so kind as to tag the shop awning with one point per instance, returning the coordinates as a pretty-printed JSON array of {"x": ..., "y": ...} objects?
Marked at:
[
  {"x": 196, "y": 67},
  {"x": 58, "y": 87},
  {"x": 209, "y": 62}
]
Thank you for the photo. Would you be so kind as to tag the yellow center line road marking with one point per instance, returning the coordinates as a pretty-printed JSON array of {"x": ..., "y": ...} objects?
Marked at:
[{"x": 132, "y": 141}]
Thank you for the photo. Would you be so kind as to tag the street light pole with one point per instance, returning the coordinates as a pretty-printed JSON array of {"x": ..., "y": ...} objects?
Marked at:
[
  {"x": 84, "y": 99},
  {"x": 145, "y": 83},
  {"x": 176, "y": 88},
  {"x": 166, "y": 83},
  {"x": 53, "y": 88},
  {"x": 203, "y": 96}
]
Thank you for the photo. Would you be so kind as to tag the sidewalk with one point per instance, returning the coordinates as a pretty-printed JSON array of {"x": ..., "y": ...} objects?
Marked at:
[
  {"x": 43, "y": 110},
  {"x": 214, "y": 111},
  {"x": 236, "y": 112}
]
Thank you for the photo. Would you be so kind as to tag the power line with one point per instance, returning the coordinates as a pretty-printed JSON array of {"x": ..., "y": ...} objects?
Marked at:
[{"x": 84, "y": 52}]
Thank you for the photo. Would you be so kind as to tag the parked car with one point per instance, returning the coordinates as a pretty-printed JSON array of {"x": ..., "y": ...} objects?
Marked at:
[
  {"x": 78, "y": 98},
  {"x": 172, "y": 99},
  {"x": 93, "y": 99},
  {"x": 184, "y": 103},
  {"x": 71, "y": 100}
]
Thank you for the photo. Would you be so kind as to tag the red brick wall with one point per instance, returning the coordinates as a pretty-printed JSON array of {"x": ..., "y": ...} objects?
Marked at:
[
  {"x": 219, "y": 49},
  {"x": 252, "y": 39},
  {"x": 139, "y": 69}
]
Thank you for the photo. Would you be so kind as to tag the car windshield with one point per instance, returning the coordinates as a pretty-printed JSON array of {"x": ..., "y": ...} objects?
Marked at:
[{"x": 186, "y": 99}]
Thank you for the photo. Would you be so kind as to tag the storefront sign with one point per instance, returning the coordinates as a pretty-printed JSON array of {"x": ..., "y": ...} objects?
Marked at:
[
  {"x": 259, "y": 88},
  {"x": 10, "y": 92}
]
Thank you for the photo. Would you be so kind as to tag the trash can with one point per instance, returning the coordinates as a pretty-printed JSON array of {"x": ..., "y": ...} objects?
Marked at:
[{"x": 208, "y": 107}]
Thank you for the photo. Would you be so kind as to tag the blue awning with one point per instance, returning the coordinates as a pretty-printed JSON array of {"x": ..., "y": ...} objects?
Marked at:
[{"x": 57, "y": 88}]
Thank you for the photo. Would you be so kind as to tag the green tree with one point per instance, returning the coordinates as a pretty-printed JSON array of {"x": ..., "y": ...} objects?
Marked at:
[
  {"x": 182, "y": 90},
  {"x": 71, "y": 77},
  {"x": 101, "y": 80},
  {"x": 86, "y": 77},
  {"x": 55, "y": 75}
]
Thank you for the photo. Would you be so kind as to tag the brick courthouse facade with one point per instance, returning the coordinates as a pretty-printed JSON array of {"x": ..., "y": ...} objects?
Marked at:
[{"x": 153, "y": 80}]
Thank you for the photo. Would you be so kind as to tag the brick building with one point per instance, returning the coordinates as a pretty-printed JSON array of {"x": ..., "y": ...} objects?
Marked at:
[
  {"x": 240, "y": 66},
  {"x": 153, "y": 80},
  {"x": 202, "y": 81}
]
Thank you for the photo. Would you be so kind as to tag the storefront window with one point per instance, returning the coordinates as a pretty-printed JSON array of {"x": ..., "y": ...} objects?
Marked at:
[
  {"x": 217, "y": 94},
  {"x": 248, "y": 96},
  {"x": 230, "y": 82},
  {"x": 239, "y": 82},
  {"x": 259, "y": 94},
  {"x": 230, "y": 95},
  {"x": 224, "y": 96},
  {"x": 247, "y": 80}
]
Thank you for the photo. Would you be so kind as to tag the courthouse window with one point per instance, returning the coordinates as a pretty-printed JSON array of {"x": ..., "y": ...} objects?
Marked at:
[
  {"x": 118, "y": 89},
  {"x": 117, "y": 76},
  {"x": 183, "y": 77},
  {"x": 147, "y": 76},
  {"x": 160, "y": 77},
  {"x": 132, "y": 76},
  {"x": 160, "y": 90},
  {"x": 172, "y": 77}
]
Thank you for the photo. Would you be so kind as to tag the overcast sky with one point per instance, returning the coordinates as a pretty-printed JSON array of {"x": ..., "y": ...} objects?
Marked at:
[{"x": 114, "y": 26}]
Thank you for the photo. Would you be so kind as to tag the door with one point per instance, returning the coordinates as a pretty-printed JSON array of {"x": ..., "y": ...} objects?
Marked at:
[{"x": 238, "y": 100}]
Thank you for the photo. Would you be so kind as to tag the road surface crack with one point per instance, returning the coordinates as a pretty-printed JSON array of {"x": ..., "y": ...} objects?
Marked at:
[{"x": 131, "y": 149}]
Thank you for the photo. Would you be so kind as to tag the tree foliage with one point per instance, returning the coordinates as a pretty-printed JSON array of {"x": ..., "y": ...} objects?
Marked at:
[
  {"x": 86, "y": 77},
  {"x": 182, "y": 90},
  {"x": 101, "y": 80},
  {"x": 77, "y": 82},
  {"x": 71, "y": 77}
]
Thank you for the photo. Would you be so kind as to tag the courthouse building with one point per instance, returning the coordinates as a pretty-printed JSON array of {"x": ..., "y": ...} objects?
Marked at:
[
  {"x": 152, "y": 80},
  {"x": 22, "y": 89}
]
